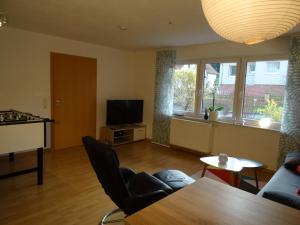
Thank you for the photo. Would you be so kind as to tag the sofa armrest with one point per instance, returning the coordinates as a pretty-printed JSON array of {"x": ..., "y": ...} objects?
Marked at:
[{"x": 283, "y": 198}]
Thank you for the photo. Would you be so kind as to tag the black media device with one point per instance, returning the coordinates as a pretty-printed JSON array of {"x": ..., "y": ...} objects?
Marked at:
[{"x": 121, "y": 112}]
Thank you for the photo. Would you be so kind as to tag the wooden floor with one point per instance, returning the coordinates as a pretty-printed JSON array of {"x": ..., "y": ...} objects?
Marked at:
[{"x": 71, "y": 193}]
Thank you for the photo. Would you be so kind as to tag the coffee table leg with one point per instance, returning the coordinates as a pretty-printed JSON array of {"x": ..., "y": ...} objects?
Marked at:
[
  {"x": 256, "y": 179},
  {"x": 236, "y": 179},
  {"x": 204, "y": 170}
]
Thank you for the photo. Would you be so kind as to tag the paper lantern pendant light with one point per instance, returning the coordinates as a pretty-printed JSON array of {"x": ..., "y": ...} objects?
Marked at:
[{"x": 251, "y": 21}]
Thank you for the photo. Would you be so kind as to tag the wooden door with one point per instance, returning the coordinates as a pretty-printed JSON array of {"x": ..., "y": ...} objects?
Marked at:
[{"x": 73, "y": 99}]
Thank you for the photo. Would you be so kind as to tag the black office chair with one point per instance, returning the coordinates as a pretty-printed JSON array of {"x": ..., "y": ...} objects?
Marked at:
[{"x": 130, "y": 191}]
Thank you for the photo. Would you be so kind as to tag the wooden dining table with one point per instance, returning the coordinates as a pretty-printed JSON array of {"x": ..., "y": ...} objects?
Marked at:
[{"x": 208, "y": 202}]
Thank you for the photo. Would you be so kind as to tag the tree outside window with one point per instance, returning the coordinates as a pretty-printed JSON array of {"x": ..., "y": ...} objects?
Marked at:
[{"x": 184, "y": 88}]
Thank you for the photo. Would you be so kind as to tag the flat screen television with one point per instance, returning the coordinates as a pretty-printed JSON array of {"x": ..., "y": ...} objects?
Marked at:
[{"x": 124, "y": 112}]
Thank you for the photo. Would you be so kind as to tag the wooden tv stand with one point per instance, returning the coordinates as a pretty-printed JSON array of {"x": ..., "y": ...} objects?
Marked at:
[{"x": 117, "y": 135}]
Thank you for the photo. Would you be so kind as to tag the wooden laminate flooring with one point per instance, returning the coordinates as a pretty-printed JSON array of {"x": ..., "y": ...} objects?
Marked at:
[{"x": 71, "y": 193}]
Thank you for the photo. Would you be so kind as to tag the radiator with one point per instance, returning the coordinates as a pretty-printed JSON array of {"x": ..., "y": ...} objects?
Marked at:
[{"x": 191, "y": 134}]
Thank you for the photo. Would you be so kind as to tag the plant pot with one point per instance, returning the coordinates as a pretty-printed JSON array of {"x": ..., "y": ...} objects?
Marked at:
[{"x": 213, "y": 116}]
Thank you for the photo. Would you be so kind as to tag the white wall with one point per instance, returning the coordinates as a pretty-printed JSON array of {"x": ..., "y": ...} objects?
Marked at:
[
  {"x": 230, "y": 49},
  {"x": 144, "y": 71},
  {"x": 25, "y": 71}
]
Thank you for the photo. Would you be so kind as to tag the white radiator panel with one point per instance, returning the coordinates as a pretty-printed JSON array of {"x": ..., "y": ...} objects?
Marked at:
[
  {"x": 21, "y": 137},
  {"x": 191, "y": 134}
]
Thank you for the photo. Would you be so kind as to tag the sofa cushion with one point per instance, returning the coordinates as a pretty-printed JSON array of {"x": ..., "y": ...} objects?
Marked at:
[
  {"x": 283, "y": 198},
  {"x": 292, "y": 155},
  {"x": 283, "y": 180},
  {"x": 292, "y": 164},
  {"x": 298, "y": 169}
]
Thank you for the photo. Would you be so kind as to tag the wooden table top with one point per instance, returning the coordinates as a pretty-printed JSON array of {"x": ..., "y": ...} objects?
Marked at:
[
  {"x": 233, "y": 164},
  {"x": 208, "y": 202}
]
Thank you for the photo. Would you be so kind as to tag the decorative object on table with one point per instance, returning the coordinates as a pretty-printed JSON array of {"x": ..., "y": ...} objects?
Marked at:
[
  {"x": 206, "y": 114},
  {"x": 251, "y": 22},
  {"x": 223, "y": 158},
  {"x": 213, "y": 110}
]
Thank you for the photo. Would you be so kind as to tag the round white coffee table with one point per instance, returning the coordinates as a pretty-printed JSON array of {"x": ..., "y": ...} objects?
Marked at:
[{"x": 233, "y": 164}]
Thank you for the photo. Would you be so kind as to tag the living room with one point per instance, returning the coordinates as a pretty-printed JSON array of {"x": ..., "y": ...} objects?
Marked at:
[{"x": 126, "y": 69}]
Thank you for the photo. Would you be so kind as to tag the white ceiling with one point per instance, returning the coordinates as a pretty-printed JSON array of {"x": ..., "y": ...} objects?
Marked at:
[{"x": 98, "y": 21}]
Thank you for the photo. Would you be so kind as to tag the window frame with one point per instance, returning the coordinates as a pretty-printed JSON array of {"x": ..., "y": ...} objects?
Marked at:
[{"x": 240, "y": 84}]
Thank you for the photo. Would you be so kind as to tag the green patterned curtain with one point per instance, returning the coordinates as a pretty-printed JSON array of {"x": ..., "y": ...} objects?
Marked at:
[
  {"x": 163, "y": 101},
  {"x": 290, "y": 126}
]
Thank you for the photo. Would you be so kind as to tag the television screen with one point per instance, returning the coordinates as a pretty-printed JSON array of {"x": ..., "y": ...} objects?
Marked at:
[{"x": 124, "y": 112}]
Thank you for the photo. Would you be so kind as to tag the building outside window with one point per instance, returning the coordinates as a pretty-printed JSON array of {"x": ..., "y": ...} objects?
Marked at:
[
  {"x": 219, "y": 78},
  {"x": 232, "y": 70},
  {"x": 251, "y": 67},
  {"x": 258, "y": 96},
  {"x": 264, "y": 95},
  {"x": 273, "y": 67}
]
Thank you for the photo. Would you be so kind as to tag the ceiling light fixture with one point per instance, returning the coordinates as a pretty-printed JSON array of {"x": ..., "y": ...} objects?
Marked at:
[
  {"x": 251, "y": 21},
  {"x": 3, "y": 19}
]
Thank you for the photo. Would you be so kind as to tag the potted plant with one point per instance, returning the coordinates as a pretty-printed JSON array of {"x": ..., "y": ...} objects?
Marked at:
[{"x": 213, "y": 110}]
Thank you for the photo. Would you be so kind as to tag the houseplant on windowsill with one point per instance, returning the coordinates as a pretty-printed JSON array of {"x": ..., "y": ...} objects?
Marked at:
[{"x": 213, "y": 110}]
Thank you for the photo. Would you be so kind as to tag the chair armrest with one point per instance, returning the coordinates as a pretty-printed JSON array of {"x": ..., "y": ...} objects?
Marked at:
[
  {"x": 138, "y": 202},
  {"x": 143, "y": 183},
  {"x": 126, "y": 173}
]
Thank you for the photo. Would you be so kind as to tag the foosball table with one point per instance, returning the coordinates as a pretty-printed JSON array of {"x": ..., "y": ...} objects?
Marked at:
[{"x": 21, "y": 132}]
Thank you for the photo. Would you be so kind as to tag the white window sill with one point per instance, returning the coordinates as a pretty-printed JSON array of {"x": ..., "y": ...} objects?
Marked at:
[{"x": 275, "y": 127}]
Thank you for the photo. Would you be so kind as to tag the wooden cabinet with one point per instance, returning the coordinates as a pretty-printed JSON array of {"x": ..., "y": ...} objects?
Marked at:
[{"x": 122, "y": 135}]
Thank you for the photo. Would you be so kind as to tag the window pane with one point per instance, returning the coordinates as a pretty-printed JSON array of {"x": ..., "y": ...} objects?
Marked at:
[
  {"x": 251, "y": 67},
  {"x": 219, "y": 78},
  {"x": 273, "y": 67},
  {"x": 264, "y": 93},
  {"x": 184, "y": 87},
  {"x": 232, "y": 70}
]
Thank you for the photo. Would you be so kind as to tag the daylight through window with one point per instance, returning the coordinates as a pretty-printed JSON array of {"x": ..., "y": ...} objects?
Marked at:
[
  {"x": 184, "y": 88},
  {"x": 254, "y": 93}
]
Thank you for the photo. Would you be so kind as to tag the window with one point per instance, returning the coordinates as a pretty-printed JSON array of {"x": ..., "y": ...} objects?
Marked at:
[
  {"x": 273, "y": 67},
  {"x": 264, "y": 95},
  {"x": 184, "y": 88},
  {"x": 251, "y": 67},
  {"x": 217, "y": 82},
  {"x": 251, "y": 96},
  {"x": 232, "y": 70}
]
